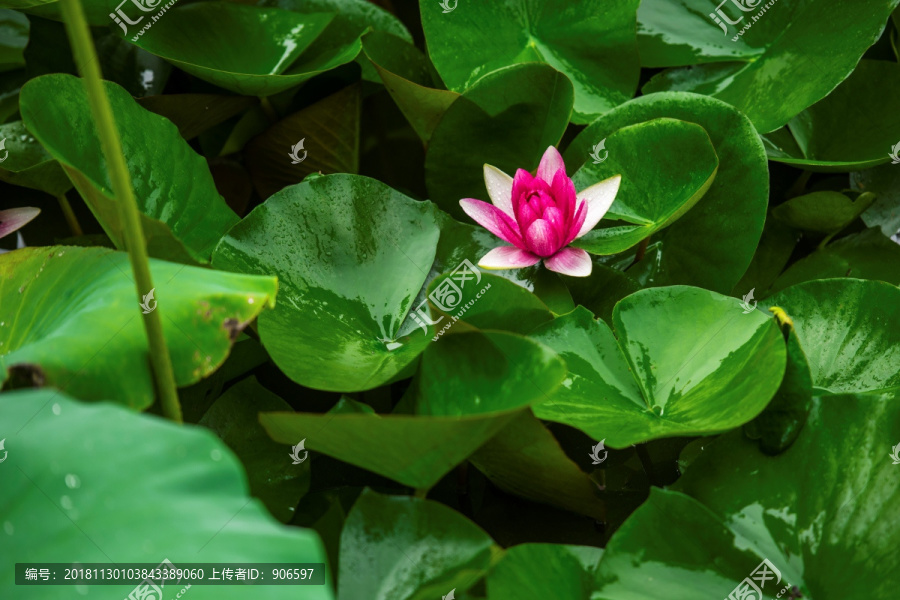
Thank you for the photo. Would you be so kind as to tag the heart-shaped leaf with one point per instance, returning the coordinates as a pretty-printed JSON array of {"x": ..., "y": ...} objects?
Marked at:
[
  {"x": 70, "y": 320},
  {"x": 107, "y": 485},
  {"x": 566, "y": 572},
  {"x": 666, "y": 167},
  {"x": 401, "y": 548},
  {"x": 850, "y": 331},
  {"x": 289, "y": 48},
  {"x": 740, "y": 508},
  {"x": 714, "y": 242},
  {"x": 782, "y": 57},
  {"x": 824, "y": 212},
  {"x": 686, "y": 362},
  {"x": 474, "y": 129},
  {"x": 593, "y": 43},
  {"x": 27, "y": 163},
  {"x": 469, "y": 386},
  {"x": 351, "y": 255},
  {"x": 182, "y": 213}
]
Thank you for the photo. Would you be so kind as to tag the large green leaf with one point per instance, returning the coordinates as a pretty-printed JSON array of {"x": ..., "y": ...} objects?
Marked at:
[
  {"x": 823, "y": 212},
  {"x": 714, "y": 242},
  {"x": 288, "y": 48},
  {"x": 14, "y": 26},
  {"x": 686, "y": 362},
  {"x": 107, "y": 485},
  {"x": 468, "y": 387},
  {"x": 824, "y": 514},
  {"x": 592, "y": 42},
  {"x": 791, "y": 55},
  {"x": 855, "y": 127},
  {"x": 70, "y": 319},
  {"x": 351, "y": 254},
  {"x": 401, "y": 548},
  {"x": 533, "y": 100},
  {"x": 182, "y": 213},
  {"x": 666, "y": 167},
  {"x": 850, "y": 331}
]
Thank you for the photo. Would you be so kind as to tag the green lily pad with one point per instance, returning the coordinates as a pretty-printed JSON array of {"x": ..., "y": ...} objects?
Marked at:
[
  {"x": 788, "y": 58},
  {"x": 474, "y": 131},
  {"x": 824, "y": 212},
  {"x": 850, "y": 331},
  {"x": 397, "y": 547},
  {"x": 712, "y": 245},
  {"x": 71, "y": 320},
  {"x": 274, "y": 478},
  {"x": 592, "y": 43},
  {"x": 288, "y": 47},
  {"x": 666, "y": 167},
  {"x": 864, "y": 255},
  {"x": 404, "y": 72},
  {"x": 735, "y": 508},
  {"x": 182, "y": 213},
  {"x": 28, "y": 164},
  {"x": 469, "y": 386},
  {"x": 686, "y": 362},
  {"x": 107, "y": 485},
  {"x": 351, "y": 254},
  {"x": 855, "y": 127},
  {"x": 328, "y": 132},
  {"x": 554, "y": 571}
]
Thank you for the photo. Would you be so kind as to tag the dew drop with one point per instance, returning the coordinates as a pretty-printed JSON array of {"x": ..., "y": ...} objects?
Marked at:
[
  {"x": 216, "y": 455},
  {"x": 57, "y": 409},
  {"x": 66, "y": 503},
  {"x": 8, "y": 527},
  {"x": 73, "y": 481}
]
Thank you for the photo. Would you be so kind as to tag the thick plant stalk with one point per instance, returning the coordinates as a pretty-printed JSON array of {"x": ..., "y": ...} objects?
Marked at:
[{"x": 89, "y": 68}]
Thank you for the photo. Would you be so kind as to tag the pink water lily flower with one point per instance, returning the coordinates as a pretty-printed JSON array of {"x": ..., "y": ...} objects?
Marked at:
[{"x": 540, "y": 216}]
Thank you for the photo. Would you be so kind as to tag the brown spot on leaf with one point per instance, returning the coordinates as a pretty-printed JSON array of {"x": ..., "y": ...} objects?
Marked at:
[
  {"x": 25, "y": 375},
  {"x": 233, "y": 327}
]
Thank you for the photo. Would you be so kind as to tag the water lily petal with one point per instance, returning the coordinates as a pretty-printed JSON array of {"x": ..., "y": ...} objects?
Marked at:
[
  {"x": 15, "y": 218},
  {"x": 551, "y": 162},
  {"x": 563, "y": 191},
  {"x": 541, "y": 238},
  {"x": 577, "y": 222},
  {"x": 493, "y": 219},
  {"x": 555, "y": 217},
  {"x": 598, "y": 197},
  {"x": 499, "y": 187},
  {"x": 570, "y": 261},
  {"x": 508, "y": 257}
]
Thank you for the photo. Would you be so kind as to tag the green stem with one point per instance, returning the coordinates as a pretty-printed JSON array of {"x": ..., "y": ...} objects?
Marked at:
[
  {"x": 89, "y": 68},
  {"x": 74, "y": 225}
]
